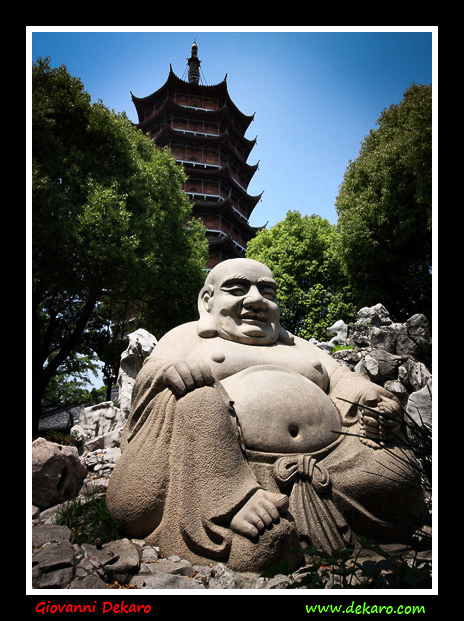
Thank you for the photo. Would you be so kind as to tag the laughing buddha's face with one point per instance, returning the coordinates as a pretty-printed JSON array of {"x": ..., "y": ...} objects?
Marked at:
[{"x": 240, "y": 297}]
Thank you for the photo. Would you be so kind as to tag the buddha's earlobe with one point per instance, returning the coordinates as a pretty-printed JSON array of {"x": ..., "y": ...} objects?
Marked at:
[
  {"x": 285, "y": 337},
  {"x": 206, "y": 326}
]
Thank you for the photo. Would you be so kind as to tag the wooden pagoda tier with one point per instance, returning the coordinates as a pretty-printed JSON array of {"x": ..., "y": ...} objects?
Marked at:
[{"x": 205, "y": 131}]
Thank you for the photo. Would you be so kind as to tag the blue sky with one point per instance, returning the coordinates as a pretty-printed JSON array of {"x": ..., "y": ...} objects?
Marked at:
[{"x": 315, "y": 91}]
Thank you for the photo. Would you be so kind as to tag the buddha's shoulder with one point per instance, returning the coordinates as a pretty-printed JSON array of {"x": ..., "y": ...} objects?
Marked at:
[
  {"x": 184, "y": 329},
  {"x": 178, "y": 340}
]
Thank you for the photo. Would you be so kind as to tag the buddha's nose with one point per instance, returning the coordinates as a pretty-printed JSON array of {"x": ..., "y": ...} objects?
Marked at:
[{"x": 255, "y": 299}]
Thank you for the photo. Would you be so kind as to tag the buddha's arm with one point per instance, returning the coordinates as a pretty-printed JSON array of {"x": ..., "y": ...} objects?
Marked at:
[
  {"x": 359, "y": 401},
  {"x": 181, "y": 372}
]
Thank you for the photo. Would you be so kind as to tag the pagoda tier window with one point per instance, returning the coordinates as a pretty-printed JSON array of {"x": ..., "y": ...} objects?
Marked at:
[
  {"x": 238, "y": 237},
  {"x": 216, "y": 226},
  {"x": 200, "y": 186},
  {"x": 215, "y": 190},
  {"x": 239, "y": 150},
  {"x": 202, "y": 155},
  {"x": 214, "y": 259},
  {"x": 211, "y": 156},
  {"x": 195, "y": 125},
  {"x": 239, "y": 177},
  {"x": 153, "y": 110},
  {"x": 149, "y": 112},
  {"x": 211, "y": 222},
  {"x": 239, "y": 207},
  {"x": 155, "y": 131},
  {"x": 189, "y": 152},
  {"x": 178, "y": 123},
  {"x": 196, "y": 101}
]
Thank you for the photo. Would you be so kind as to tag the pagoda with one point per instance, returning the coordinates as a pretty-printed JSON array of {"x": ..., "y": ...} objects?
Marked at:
[{"x": 205, "y": 132}]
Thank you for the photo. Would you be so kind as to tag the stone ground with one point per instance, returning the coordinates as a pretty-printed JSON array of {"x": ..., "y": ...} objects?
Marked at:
[
  {"x": 130, "y": 564},
  {"x": 126, "y": 563}
]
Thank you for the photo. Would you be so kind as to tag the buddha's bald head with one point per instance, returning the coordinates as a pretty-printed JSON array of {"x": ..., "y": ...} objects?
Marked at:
[
  {"x": 239, "y": 266},
  {"x": 238, "y": 302}
]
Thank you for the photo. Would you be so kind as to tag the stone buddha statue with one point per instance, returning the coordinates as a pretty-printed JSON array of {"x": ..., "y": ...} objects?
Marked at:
[{"x": 245, "y": 442}]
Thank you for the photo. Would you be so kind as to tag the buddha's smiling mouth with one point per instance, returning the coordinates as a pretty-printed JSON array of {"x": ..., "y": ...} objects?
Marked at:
[{"x": 254, "y": 317}]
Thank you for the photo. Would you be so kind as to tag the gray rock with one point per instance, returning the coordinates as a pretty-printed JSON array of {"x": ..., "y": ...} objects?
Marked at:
[
  {"x": 419, "y": 405},
  {"x": 383, "y": 337},
  {"x": 397, "y": 389},
  {"x": 100, "y": 426},
  {"x": 140, "y": 345},
  {"x": 89, "y": 581},
  {"x": 224, "y": 578},
  {"x": 57, "y": 473},
  {"x": 49, "y": 533},
  {"x": 414, "y": 340},
  {"x": 165, "y": 581},
  {"x": 53, "y": 566},
  {"x": 116, "y": 561},
  {"x": 379, "y": 366},
  {"x": 374, "y": 316},
  {"x": 178, "y": 567},
  {"x": 278, "y": 582}
]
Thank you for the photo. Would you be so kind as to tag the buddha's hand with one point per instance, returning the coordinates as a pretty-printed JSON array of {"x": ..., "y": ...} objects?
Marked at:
[
  {"x": 188, "y": 374},
  {"x": 259, "y": 512},
  {"x": 380, "y": 418}
]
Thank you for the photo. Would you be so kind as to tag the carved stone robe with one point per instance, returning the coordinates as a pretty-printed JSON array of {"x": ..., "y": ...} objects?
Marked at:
[{"x": 184, "y": 473}]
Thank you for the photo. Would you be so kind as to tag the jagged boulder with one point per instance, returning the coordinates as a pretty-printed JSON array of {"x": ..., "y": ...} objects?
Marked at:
[
  {"x": 140, "y": 345},
  {"x": 379, "y": 366},
  {"x": 373, "y": 316},
  {"x": 57, "y": 473},
  {"x": 419, "y": 405},
  {"x": 394, "y": 355},
  {"x": 415, "y": 339},
  {"x": 100, "y": 426}
]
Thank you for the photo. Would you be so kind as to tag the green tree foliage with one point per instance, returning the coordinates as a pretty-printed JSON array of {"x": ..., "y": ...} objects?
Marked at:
[
  {"x": 65, "y": 389},
  {"x": 111, "y": 226},
  {"x": 301, "y": 252},
  {"x": 385, "y": 209}
]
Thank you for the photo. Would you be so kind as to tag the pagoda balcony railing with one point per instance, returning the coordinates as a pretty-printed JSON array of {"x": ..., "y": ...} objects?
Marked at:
[
  {"x": 197, "y": 108},
  {"x": 207, "y": 166},
  {"x": 239, "y": 213},
  {"x": 221, "y": 234},
  {"x": 239, "y": 246},
  {"x": 194, "y": 132},
  {"x": 204, "y": 165},
  {"x": 238, "y": 183},
  {"x": 217, "y": 232},
  {"x": 205, "y": 195}
]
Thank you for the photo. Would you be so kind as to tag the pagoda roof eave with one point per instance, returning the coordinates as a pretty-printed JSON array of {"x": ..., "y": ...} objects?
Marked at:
[
  {"x": 225, "y": 171},
  {"x": 174, "y": 81},
  {"x": 198, "y": 136},
  {"x": 249, "y": 169},
  {"x": 227, "y": 208},
  {"x": 228, "y": 242},
  {"x": 253, "y": 201},
  {"x": 171, "y": 105}
]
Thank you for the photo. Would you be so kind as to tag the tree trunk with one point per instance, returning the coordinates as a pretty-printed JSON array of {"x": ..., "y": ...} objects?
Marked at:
[{"x": 42, "y": 375}]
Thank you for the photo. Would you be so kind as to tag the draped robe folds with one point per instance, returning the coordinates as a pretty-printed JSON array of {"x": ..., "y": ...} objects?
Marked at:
[
  {"x": 182, "y": 476},
  {"x": 184, "y": 473}
]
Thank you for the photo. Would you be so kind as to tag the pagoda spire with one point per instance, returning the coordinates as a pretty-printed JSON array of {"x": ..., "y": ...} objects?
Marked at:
[{"x": 194, "y": 65}]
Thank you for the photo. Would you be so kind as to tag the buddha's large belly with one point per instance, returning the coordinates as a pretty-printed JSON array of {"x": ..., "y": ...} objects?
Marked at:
[{"x": 281, "y": 411}]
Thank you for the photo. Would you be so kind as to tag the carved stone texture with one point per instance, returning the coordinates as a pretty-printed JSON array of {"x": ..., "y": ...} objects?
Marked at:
[{"x": 245, "y": 442}]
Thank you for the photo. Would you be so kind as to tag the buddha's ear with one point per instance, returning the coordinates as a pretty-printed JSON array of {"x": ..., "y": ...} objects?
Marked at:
[
  {"x": 206, "y": 326},
  {"x": 285, "y": 337}
]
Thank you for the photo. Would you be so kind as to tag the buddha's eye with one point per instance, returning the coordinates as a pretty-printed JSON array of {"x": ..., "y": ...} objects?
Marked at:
[
  {"x": 269, "y": 293},
  {"x": 236, "y": 289}
]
